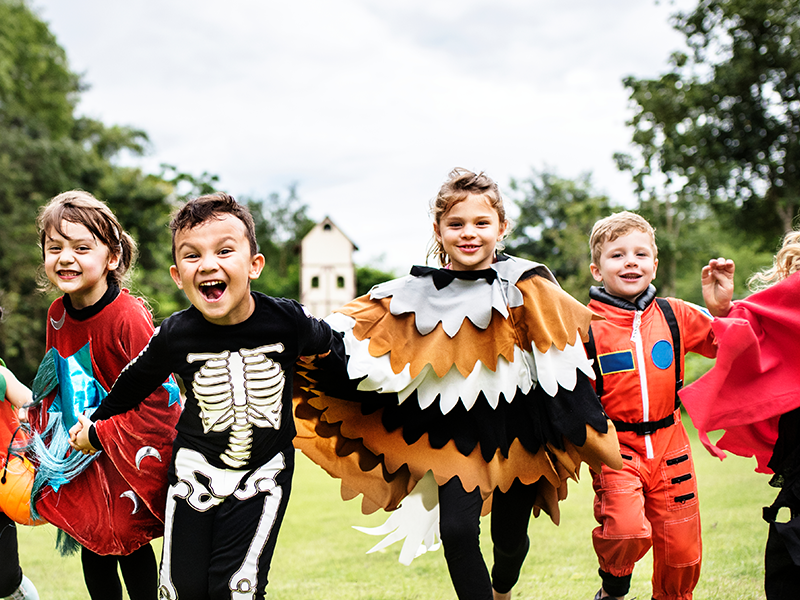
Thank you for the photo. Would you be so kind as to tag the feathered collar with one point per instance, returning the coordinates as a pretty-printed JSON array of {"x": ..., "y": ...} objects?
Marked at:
[{"x": 447, "y": 296}]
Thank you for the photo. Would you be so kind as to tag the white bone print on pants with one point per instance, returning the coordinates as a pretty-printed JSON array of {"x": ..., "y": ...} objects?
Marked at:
[
  {"x": 237, "y": 391},
  {"x": 201, "y": 496}
]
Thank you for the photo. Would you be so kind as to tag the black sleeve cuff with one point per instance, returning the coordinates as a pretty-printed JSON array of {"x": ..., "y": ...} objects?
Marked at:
[{"x": 94, "y": 440}]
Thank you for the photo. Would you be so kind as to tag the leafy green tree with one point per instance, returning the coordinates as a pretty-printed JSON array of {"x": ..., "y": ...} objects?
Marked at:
[
  {"x": 38, "y": 157},
  {"x": 722, "y": 125},
  {"x": 46, "y": 149},
  {"x": 556, "y": 216},
  {"x": 281, "y": 224},
  {"x": 368, "y": 276}
]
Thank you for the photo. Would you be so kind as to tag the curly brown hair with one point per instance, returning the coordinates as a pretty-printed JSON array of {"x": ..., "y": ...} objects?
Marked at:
[
  {"x": 212, "y": 206},
  {"x": 460, "y": 185},
  {"x": 80, "y": 207}
]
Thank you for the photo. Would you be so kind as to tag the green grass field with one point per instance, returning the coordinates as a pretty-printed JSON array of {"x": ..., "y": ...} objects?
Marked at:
[{"x": 319, "y": 556}]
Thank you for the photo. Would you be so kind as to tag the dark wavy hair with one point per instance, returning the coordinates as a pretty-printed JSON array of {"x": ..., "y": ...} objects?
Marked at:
[{"x": 212, "y": 206}]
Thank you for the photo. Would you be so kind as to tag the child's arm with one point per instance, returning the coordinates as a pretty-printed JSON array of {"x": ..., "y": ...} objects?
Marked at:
[
  {"x": 138, "y": 380},
  {"x": 16, "y": 392},
  {"x": 717, "y": 280}
]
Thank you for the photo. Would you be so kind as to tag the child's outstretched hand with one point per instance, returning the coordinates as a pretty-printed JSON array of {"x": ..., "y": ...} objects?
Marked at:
[
  {"x": 79, "y": 435},
  {"x": 717, "y": 279}
]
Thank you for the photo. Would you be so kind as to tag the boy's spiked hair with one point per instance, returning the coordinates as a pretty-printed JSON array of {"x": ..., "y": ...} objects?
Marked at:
[
  {"x": 212, "y": 206},
  {"x": 617, "y": 225}
]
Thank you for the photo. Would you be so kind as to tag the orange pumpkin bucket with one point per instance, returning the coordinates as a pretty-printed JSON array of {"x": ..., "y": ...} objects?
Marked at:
[
  {"x": 15, "y": 490},
  {"x": 16, "y": 473}
]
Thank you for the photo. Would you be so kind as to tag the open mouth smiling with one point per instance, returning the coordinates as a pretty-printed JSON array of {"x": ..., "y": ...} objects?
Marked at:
[{"x": 212, "y": 290}]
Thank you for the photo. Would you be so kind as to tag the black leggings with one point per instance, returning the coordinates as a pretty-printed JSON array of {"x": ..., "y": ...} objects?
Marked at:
[
  {"x": 139, "y": 570},
  {"x": 10, "y": 571},
  {"x": 782, "y": 573},
  {"x": 459, "y": 526}
]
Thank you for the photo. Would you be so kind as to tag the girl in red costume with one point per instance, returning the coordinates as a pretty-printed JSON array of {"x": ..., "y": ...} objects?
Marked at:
[
  {"x": 753, "y": 393},
  {"x": 112, "y": 503}
]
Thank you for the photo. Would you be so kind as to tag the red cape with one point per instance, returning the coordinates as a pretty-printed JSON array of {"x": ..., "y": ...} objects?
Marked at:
[{"x": 755, "y": 379}]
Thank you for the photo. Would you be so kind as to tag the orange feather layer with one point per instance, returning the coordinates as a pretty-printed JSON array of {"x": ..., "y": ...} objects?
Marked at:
[{"x": 382, "y": 466}]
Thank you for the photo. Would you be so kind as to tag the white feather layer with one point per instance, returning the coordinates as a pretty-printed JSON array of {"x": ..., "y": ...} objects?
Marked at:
[
  {"x": 416, "y": 522},
  {"x": 553, "y": 368}
]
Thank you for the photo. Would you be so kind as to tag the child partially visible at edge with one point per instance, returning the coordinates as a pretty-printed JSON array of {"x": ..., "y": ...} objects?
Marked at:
[
  {"x": 233, "y": 457},
  {"x": 753, "y": 393},
  {"x": 639, "y": 350},
  {"x": 113, "y": 507},
  {"x": 14, "y": 398}
]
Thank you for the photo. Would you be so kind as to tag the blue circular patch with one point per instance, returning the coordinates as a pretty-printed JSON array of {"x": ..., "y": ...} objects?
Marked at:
[{"x": 662, "y": 354}]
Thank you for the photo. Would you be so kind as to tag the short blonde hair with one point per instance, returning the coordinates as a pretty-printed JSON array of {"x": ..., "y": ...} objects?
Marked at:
[
  {"x": 784, "y": 263},
  {"x": 617, "y": 225}
]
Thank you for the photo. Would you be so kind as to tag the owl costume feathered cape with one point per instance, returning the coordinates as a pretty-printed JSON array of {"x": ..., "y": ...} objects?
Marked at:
[{"x": 475, "y": 374}]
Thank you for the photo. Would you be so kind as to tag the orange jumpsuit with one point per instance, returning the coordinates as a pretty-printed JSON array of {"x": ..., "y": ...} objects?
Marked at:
[{"x": 652, "y": 501}]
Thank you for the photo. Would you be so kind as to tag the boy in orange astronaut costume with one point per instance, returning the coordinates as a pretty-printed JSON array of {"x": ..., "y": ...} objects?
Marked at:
[{"x": 638, "y": 351}]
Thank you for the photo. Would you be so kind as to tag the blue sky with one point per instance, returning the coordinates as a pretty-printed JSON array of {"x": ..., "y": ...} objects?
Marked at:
[{"x": 367, "y": 104}]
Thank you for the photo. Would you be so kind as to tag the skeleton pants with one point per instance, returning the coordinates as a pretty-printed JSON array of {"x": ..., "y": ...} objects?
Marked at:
[{"x": 221, "y": 528}]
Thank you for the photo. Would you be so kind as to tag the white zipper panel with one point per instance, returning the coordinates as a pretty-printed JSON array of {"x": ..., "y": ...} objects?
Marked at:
[{"x": 636, "y": 338}]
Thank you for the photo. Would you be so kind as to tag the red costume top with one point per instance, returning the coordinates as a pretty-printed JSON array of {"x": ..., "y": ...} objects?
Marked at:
[
  {"x": 116, "y": 504},
  {"x": 630, "y": 393},
  {"x": 755, "y": 379}
]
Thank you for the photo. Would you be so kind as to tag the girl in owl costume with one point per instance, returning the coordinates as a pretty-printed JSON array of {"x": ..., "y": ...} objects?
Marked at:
[{"x": 468, "y": 385}]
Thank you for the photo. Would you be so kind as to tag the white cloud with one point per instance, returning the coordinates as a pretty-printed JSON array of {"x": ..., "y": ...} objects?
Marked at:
[{"x": 367, "y": 104}]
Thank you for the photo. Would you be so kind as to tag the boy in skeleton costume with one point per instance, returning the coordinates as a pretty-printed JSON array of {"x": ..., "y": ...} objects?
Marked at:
[{"x": 233, "y": 457}]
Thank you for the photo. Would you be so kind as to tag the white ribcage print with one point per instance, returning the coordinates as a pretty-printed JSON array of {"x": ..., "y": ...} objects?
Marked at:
[{"x": 237, "y": 391}]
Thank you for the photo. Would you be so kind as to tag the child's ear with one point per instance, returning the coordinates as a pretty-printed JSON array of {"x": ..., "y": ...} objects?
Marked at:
[
  {"x": 256, "y": 266},
  {"x": 176, "y": 276},
  {"x": 436, "y": 233},
  {"x": 503, "y": 230},
  {"x": 113, "y": 262},
  {"x": 596, "y": 272}
]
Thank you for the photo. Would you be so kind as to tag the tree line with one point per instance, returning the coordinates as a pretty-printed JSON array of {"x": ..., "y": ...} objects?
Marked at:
[
  {"x": 714, "y": 153},
  {"x": 713, "y": 156}
]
